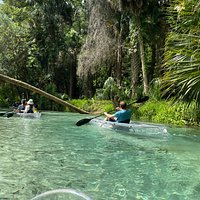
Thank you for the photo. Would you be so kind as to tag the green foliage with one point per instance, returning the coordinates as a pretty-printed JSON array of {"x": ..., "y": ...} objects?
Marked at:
[
  {"x": 165, "y": 112},
  {"x": 7, "y": 95},
  {"x": 13, "y": 39},
  {"x": 110, "y": 89},
  {"x": 91, "y": 105},
  {"x": 39, "y": 39},
  {"x": 155, "y": 91},
  {"x": 182, "y": 78},
  {"x": 81, "y": 103},
  {"x": 47, "y": 104},
  {"x": 169, "y": 113}
]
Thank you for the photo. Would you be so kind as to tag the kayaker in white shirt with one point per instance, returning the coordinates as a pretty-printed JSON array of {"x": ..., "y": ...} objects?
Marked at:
[{"x": 29, "y": 107}]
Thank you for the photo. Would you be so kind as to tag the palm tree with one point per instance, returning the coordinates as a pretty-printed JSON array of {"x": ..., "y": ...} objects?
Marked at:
[
  {"x": 136, "y": 7},
  {"x": 182, "y": 78},
  {"x": 145, "y": 12}
]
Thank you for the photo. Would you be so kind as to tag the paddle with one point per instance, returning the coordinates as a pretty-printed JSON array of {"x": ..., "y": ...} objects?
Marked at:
[
  {"x": 10, "y": 114},
  {"x": 87, "y": 120},
  {"x": 7, "y": 114},
  {"x": 2, "y": 113}
]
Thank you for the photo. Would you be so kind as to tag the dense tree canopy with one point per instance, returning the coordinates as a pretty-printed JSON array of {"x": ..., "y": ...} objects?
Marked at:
[{"x": 72, "y": 47}]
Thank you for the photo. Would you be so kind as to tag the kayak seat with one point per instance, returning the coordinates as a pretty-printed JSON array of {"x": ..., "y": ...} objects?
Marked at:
[{"x": 127, "y": 121}]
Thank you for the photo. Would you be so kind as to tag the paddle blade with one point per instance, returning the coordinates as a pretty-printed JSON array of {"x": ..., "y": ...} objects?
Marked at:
[
  {"x": 83, "y": 121},
  {"x": 2, "y": 113},
  {"x": 10, "y": 114},
  {"x": 142, "y": 99}
]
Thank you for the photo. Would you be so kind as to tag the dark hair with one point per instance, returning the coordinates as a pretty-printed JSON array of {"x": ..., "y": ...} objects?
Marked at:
[
  {"x": 123, "y": 105},
  {"x": 23, "y": 101}
]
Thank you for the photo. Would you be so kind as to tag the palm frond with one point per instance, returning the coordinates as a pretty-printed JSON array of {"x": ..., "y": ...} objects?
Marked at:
[{"x": 182, "y": 56}]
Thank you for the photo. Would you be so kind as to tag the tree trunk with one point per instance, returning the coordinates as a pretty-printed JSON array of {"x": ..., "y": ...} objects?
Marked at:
[
  {"x": 72, "y": 77},
  {"x": 43, "y": 93},
  {"x": 151, "y": 72},
  {"x": 135, "y": 71},
  {"x": 142, "y": 56},
  {"x": 119, "y": 54}
]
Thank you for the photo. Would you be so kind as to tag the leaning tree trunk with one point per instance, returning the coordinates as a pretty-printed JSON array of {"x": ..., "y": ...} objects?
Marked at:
[{"x": 43, "y": 93}]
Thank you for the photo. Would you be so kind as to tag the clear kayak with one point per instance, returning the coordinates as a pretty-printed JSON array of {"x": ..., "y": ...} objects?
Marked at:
[
  {"x": 135, "y": 127},
  {"x": 24, "y": 115},
  {"x": 28, "y": 115}
]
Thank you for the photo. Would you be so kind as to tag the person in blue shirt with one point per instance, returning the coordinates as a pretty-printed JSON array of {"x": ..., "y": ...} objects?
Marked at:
[
  {"x": 22, "y": 106},
  {"x": 123, "y": 115}
]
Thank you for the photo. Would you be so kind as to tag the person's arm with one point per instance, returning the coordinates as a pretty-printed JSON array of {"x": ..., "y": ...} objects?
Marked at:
[
  {"x": 17, "y": 110},
  {"x": 109, "y": 116},
  {"x": 27, "y": 108}
]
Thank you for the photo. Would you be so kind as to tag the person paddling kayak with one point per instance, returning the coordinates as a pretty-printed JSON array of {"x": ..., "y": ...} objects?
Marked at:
[
  {"x": 29, "y": 107},
  {"x": 21, "y": 107},
  {"x": 123, "y": 115}
]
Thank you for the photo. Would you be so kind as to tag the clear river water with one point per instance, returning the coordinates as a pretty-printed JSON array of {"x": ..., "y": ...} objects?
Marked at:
[{"x": 52, "y": 153}]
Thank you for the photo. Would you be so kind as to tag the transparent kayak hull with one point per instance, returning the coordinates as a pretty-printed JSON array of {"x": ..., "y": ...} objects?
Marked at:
[
  {"x": 135, "y": 127},
  {"x": 28, "y": 115}
]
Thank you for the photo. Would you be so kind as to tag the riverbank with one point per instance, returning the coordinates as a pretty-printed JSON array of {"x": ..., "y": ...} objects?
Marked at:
[
  {"x": 165, "y": 112},
  {"x": 155, "y": 111}
]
